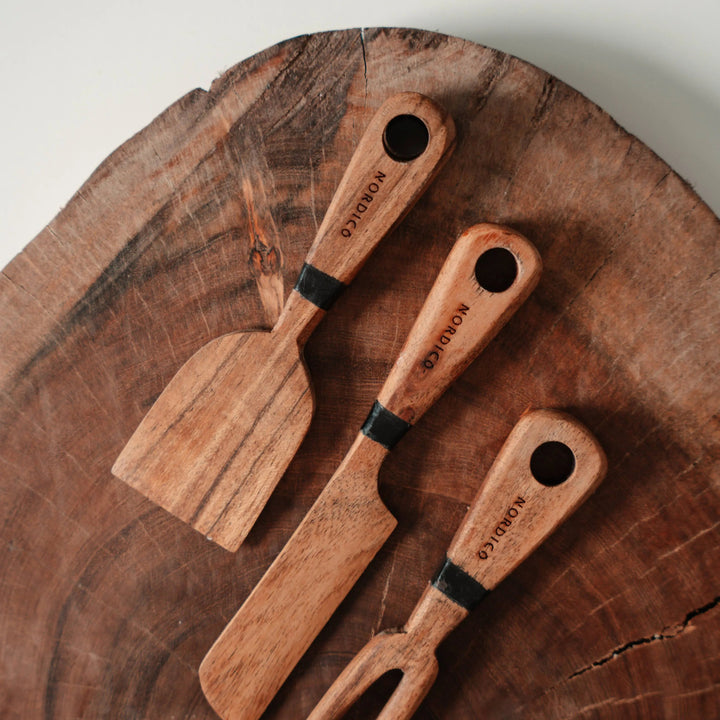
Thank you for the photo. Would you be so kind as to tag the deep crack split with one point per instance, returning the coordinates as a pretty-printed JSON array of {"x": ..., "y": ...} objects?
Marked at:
[
  {"x": 362, "y": 44},
  {"x": 645, "y": 640}
]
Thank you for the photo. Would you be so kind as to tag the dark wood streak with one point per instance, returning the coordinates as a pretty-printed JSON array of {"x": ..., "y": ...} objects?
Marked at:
[
  {"x": 118, "y": 277},
  {"x": 256, "y": 420},
  {"x": 278, "y": 431},
  {"x": 499, "y": 66},
  {"x": 242, "y": 339},
  {"x": 55, "y": 664},
  {"x": 85, "y": 580}
]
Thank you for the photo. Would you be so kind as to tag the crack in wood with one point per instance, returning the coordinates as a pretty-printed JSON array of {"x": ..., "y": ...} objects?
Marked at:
[
  {"x": 364, "y": 57},
  {"x": 677, "y": 630},
  {"x": 383, "y": 600},
  {"x": 497, "y": 69}
]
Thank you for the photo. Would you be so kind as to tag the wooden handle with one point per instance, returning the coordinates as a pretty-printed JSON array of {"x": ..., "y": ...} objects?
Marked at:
[
  {"x": 547, "y": 467},
  {"x": 489, "y": 273},
  {"x": 400, "y": 152}
]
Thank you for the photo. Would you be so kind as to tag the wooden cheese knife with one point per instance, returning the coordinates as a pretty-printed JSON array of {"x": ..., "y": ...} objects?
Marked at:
[
  {"x": 488, "y": 274},
  {"x": 220, "y": 436},
  {"x": 547, "y": 467}
]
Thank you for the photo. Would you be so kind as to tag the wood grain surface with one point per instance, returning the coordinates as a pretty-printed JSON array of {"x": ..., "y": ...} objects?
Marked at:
[{"x": 198, "y": 224}]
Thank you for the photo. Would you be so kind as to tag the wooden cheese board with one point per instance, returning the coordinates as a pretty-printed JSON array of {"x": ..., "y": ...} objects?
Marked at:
[{"x": 198, "y": 226}]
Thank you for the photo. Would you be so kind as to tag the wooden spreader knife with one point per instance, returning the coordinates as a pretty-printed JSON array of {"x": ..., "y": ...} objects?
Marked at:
[
  {"x": 547, "y": 467},
  {"x": 490, "y": 271},
  {"x": 222, "y": 433}
]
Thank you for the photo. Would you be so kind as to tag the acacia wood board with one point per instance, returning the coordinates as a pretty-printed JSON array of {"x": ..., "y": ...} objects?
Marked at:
[{"x": 108, "y": 604}]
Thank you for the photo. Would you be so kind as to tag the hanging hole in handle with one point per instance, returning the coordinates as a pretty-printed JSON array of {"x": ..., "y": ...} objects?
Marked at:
[
  {"x": 496, "y": 270},
  {"x": 405, "y": 138},
  {"x": 552, "y": 463}
]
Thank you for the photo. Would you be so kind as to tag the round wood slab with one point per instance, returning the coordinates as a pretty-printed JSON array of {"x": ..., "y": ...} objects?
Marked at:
[{"x": 109, "y": 604}]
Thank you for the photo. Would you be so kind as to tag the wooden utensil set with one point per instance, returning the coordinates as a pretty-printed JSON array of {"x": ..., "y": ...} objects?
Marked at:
[{"x": 220, "y": 436}]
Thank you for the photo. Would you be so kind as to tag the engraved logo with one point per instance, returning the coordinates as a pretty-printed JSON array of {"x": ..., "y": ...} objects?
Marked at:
[
  {"x": 446, "y": 337},
  {"x": 362, "y": 206},
  {"x": 512, "y": 512}
]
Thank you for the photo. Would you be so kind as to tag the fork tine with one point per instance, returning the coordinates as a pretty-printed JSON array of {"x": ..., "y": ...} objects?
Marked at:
[
  {"x": 411, "y": 649},
  {"x": 382, "y": 654},
  {"x": 414, "y": 686}
]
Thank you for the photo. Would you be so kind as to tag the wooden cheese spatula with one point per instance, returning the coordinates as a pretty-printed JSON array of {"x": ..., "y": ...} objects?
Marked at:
[
  {"x": 547, "y": 467},
  {"x": 220, "y": 436},
  {"x": 488, "y": 274}
]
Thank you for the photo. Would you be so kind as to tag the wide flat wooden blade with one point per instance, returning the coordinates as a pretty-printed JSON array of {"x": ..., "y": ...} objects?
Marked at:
[
  {"x": 323, "y": 559},
  {"x": 217, "y": 440}
]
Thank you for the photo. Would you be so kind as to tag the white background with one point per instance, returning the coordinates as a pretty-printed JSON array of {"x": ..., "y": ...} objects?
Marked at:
[{"x": 79, "y": 77}]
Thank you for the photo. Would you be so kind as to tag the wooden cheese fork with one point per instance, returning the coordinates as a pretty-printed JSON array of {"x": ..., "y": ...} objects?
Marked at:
[{"x": 547, "y": 467}]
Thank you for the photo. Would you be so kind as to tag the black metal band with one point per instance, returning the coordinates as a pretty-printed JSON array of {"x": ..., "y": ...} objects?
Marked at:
[
  {"x": 384, "y": 427},
  {"x": 318, "y": 287},
  {"x": 460, "y": 587}
]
